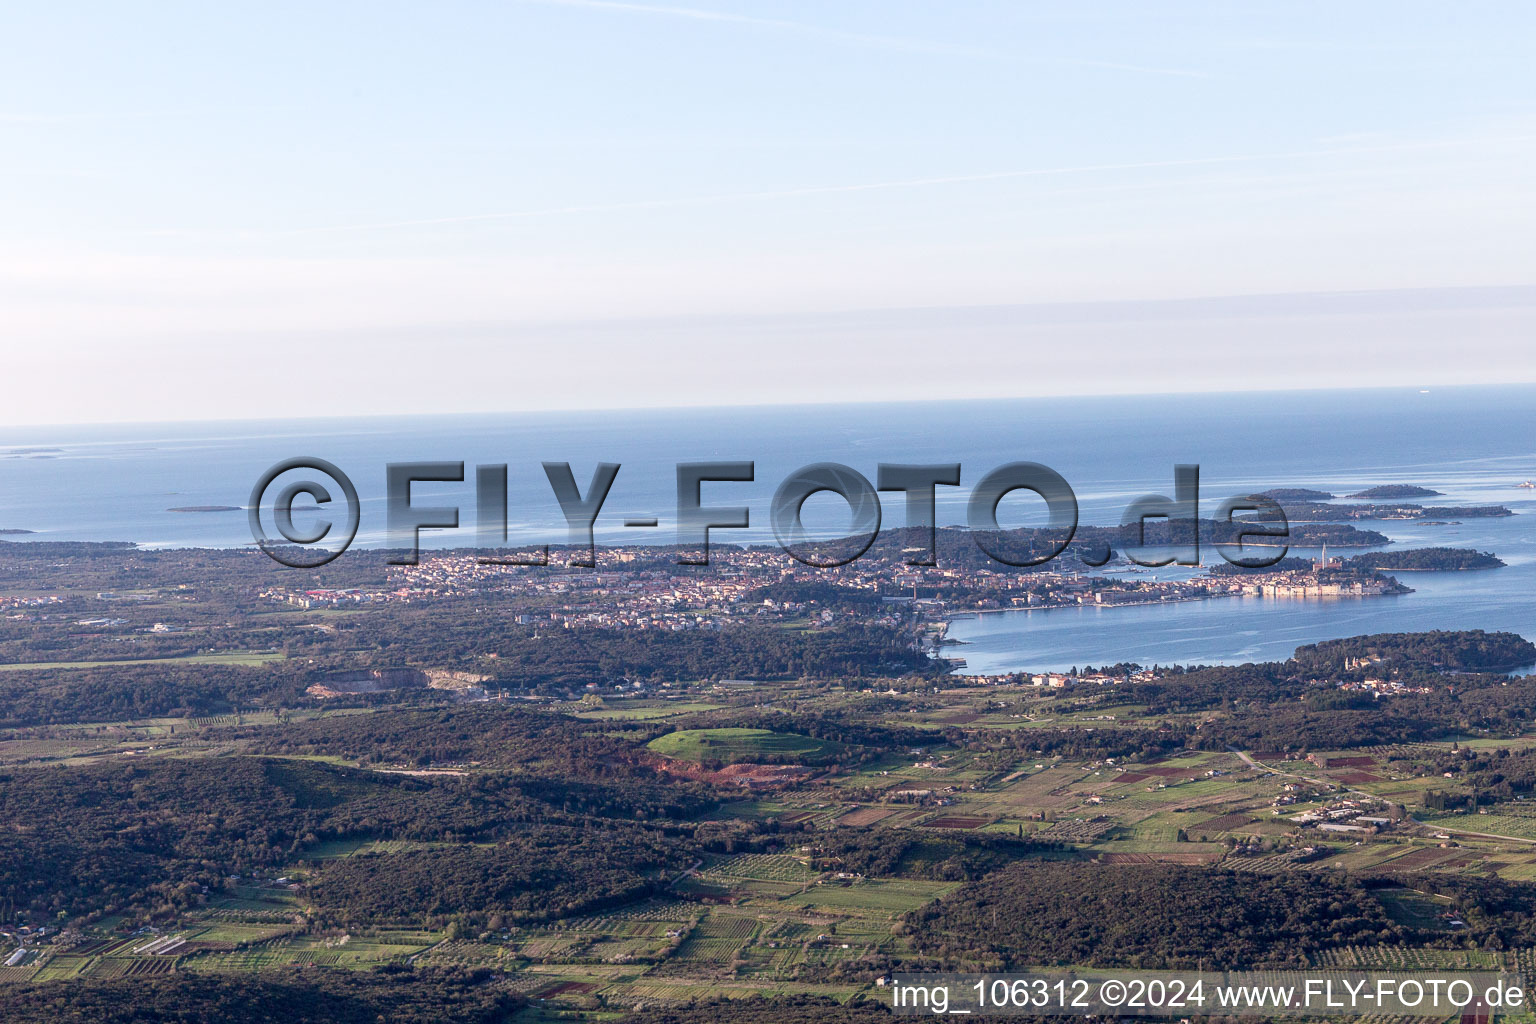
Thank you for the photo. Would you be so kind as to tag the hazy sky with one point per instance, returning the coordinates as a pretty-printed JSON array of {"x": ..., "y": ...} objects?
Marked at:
[{"x": 212, "y": 210}]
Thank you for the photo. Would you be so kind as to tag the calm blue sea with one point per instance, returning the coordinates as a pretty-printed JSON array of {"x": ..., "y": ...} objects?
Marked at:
[{"x": 119, "y": 482}]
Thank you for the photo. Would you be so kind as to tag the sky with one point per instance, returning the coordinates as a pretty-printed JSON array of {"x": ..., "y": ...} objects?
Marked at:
[{"x": 243, "y": 210}]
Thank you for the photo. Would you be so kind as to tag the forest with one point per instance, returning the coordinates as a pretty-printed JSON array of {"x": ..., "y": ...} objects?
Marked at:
[
  {"x": 1439, "y": 650},
  {"x": 89, "y": 841},
  {"x": 539, "y": 873},
  {"x": 1154, "y": 916},
  {"x": 1425, "y": 559}
]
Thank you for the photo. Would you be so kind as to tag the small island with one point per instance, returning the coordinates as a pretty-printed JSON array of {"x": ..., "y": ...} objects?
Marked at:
[
  {"x": 11, "y": 532},
  {"x": 1332, "y": 512},
  {"x": 1394, "y": 491},
  {"x": 1295, "y": 494},
  {"x": 1427, "y": 560},
  {"x": 206, "y": 508}
]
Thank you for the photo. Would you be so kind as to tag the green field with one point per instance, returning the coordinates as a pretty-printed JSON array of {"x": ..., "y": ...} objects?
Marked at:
[
  {"x": 1516, "y": 827},
  {"x": 222, "y": 658},
  {"x": 647, "y": 712},
  {"x": 737, "y": 745}
]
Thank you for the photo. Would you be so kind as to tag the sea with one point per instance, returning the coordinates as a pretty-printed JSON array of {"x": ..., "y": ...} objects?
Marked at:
[{"x": 1475, "y": 445}]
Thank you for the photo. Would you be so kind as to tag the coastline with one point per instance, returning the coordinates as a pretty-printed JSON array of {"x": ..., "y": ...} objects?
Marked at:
[{"x": 978, "y": 612}]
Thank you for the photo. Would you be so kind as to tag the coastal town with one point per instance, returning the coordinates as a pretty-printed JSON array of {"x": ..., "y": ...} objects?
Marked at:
[{"x": 633, "y": 589}]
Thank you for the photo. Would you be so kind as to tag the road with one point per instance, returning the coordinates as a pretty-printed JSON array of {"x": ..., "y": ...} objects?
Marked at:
[{"x": 1248, "y": 760}]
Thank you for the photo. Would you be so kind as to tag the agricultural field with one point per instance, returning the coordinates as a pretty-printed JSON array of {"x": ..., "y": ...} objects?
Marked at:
[
  {"x": 646, "y": 711},
  {"x": 754, "y": 906},
  {"x": 742, "y": 745},
  {"x": 1493, "y": 823},
  {"x": 222, "y": 658}
]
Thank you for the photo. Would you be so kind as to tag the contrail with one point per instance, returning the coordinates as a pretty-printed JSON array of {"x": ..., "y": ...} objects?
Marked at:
[
  {"x": 698, "y": 14},
  {"x": 815, "y": 190},
  {"x": 855, "y": 38}
]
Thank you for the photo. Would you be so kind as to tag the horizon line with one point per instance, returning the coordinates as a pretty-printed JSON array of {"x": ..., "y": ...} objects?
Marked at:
[{"x": 1423, "y": 388}]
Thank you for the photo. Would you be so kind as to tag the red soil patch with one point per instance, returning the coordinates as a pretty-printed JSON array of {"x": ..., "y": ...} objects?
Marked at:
[
  {"x": 1349, "y": 762},
  {"x": 1131, "y": 777},
  {"x": 565, "y": 987},
  {"x": 956, "y": 821},
  {"x": 761, "y": 774},
  {"x": 89, "y": 948},
  {"x": 1420, "y": 858},
  {"x": 740, "y": 774},
  {"x": 1358, "y": 778}
]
